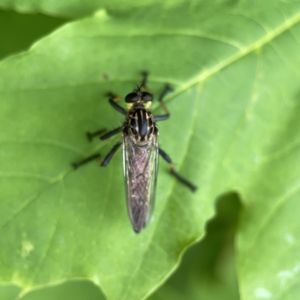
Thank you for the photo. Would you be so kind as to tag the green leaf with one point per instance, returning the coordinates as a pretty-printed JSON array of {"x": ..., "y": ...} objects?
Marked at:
[
  {"x": 77, "y": 9},
  {"x": 207, "y": 270},
  {"x": 75, "y": 290},
  {"x": 234, "y": 126},
  {"x": 9, "y": 292}
]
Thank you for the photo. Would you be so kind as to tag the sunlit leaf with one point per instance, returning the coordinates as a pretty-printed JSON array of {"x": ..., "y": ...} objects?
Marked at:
[
  {"x": 75, "y": 8},
  {"x": 234, "y": 126},
  {"x": 207, "y": 270}
]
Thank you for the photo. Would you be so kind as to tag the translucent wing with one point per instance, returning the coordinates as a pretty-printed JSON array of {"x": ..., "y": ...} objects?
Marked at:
[{"x": 140, "y": 164}]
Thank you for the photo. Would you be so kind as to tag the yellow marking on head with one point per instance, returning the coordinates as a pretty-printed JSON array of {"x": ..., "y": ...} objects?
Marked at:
[{"x": 148, "y": 104}]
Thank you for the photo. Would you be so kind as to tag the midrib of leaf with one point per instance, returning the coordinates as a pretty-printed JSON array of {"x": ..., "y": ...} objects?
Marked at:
[
  {"x": 200, "y": 78},
  {"x": 271, "y": 35}
]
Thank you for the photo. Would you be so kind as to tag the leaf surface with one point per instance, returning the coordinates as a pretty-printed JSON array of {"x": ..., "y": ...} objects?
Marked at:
[
  {"x": 77, "y": 9},
  {"x": 234, "y": 126},
  {"x": 207, "y": 270}
]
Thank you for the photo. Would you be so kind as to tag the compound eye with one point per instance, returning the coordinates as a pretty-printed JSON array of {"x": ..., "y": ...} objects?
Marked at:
[
  {"x": 146, "y": 97},
  {"x": 131, "y": 98}
]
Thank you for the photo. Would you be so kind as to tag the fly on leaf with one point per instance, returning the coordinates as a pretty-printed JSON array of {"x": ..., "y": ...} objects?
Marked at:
[{"x": 140, "y": 152}]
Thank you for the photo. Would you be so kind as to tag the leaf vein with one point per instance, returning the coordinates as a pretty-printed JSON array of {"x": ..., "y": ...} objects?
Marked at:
[
  {"x": 276, "y": 208},
  {"x": 48, "y": 246},
  {"x": 260, "y": 43},
  {"x": 44, "y": 142},
  {"x": 25, "y": 175}
]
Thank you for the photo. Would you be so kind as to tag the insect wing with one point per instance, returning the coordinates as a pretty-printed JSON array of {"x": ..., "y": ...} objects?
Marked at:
[{"x": 140, "y": 165}]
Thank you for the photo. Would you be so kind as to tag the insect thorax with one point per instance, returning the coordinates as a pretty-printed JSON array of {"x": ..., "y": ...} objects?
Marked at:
[{"x": 140, "y": 124}]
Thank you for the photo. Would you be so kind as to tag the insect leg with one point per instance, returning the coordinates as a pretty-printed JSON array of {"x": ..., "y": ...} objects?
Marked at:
[
  {"x": 97, "y": 156},
  {"x": 110, "y": 154},
  {"x": 100, "y": 133},
  {"x": 167, "y": 158},
  {"x": 161, "y": 118},
  {"x": 85, "y": 161},
  {"x": 144, "y": 81},
  {"x": 167, "y": 89},
  {"x": 113, "y": 102},
  {"x": 110, "y": 133}
]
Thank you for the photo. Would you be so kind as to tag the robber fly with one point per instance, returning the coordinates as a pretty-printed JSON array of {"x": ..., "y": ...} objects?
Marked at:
[{"x": 140, "y": 152}]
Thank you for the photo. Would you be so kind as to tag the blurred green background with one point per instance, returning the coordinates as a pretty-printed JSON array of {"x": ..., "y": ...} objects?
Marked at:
[{"x": 207, "y": 270}]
